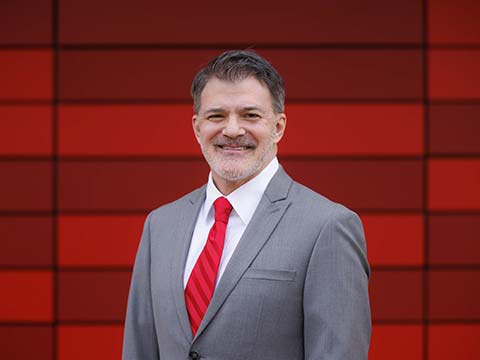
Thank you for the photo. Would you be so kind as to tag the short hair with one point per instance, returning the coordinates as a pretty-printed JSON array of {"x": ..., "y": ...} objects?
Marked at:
[{"x": 236, "y": 65}]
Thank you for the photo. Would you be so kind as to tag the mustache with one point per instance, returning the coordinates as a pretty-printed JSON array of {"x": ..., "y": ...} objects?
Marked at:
[{"x": 244, "y": 142}]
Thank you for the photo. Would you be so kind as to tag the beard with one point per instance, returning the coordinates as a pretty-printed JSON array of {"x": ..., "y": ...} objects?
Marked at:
[{"x": 238, "y": 167}]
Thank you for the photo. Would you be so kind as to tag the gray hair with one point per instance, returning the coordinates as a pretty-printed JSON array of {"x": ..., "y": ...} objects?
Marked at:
[{"x": 236, "y": 65}]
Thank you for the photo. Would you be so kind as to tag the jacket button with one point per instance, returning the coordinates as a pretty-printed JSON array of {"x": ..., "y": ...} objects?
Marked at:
[{"x": 193, "y": 355}]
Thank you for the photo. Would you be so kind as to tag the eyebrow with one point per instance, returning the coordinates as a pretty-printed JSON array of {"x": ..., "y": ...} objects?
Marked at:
[
  {"x": 222, "y": 110},
  {"x": 213, "y": 110},
  {"x": 252, "y": 108}
]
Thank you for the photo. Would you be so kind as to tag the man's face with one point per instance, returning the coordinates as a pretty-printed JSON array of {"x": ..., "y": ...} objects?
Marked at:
[{"x": 237, "y": 129}]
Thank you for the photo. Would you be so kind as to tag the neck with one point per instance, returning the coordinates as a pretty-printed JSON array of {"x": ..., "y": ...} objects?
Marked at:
[{"x": 226, "y": 187}]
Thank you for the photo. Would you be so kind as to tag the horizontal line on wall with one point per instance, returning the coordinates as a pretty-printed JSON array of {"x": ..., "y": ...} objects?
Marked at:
[
  {"x": 4, "y": 323},
  {"x": 67, "y": 268},
  {"x": 292, "y": 101},
  {"x": 90, "y": 322},
  {"x": 459, "y": 156},
  {"x": 455, "y": 101},
  {"x": 427, "y": 267},
  {"x": 26, "y": 102},
  {"x": 156, "y": 101},
  {"x": 186, "y": 101},
  {"x": 61, "y": 322},
  {"x": 21, "y": 267},
  {"x": 259, "y": 46},
  {"x": 306, "y": 157},
  {"x": 219, "y": 46},
  {"x": 26, "y": 213},
  {"x": 125, "y": 268},
  {"x": 430, "y": 321},
  {"x": 94, "y": 268},
  {"x": 450, "y": 212},
  {"x": 373, "y": 211},
  {"x": 80, "y": 323},
  {"x": 454, "y": 321},
  {"x": 393, "y": 211},
  {"x": 148, "y": 158},
  {"x": 95, "y": 212}
]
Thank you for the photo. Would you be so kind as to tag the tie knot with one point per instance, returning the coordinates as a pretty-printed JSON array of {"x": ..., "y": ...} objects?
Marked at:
[{"x": 222, "y": 209}]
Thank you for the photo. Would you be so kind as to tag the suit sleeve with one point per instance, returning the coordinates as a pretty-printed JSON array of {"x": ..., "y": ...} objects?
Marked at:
[
  {"x": 140, "y": 339},
  {"x": 337, "y": 323}
]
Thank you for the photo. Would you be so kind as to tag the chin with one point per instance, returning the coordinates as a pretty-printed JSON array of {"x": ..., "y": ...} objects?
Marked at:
[
  {"x": 236, "y": 168},
  {"x": 234, "y": 175},
  {"x": 234, "y": 172}
]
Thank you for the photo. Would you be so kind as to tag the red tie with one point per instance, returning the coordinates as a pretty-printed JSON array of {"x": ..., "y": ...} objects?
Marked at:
[{"x": 201, "y": 284}]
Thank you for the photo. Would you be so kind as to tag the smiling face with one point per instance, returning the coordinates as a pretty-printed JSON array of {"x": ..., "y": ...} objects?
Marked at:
[{"x": 237, "y": 129}]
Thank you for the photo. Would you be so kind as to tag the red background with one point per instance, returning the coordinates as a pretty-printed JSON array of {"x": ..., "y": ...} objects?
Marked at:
[{"x": 384, "y": 116}]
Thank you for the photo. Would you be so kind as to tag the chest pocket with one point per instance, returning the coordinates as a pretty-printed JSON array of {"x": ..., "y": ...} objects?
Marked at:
[{"x": 270, "y": 274}]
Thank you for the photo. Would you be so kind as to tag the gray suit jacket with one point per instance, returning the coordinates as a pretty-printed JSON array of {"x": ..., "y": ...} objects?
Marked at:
[{"x": 296, "y": 286}]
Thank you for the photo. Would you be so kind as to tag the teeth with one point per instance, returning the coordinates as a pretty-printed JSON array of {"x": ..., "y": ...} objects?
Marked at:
[{"x": 233, "y": 147}]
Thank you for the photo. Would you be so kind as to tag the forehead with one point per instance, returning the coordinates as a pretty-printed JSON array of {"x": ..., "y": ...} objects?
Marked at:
[{"x": 247, "y": 92}]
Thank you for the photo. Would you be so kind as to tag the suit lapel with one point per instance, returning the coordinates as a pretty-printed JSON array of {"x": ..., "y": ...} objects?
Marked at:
[
  {"x": 182, "y": 236},
  {"x": 270, "y": 210}
]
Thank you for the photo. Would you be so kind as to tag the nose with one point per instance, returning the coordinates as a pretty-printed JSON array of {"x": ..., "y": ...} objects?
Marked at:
[{"x": 233, "y": 127}]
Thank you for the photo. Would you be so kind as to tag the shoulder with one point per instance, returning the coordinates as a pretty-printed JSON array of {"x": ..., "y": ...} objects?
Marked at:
[
  {"x": 336, "y": 224},
  {"x": 313, "y": 204},
  {"x": 175, "y": 207}
]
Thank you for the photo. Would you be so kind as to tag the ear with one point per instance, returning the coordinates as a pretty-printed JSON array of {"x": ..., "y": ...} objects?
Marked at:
[
  {"x": 196, "y": 127},
  {"x": 280, "y": 125}
]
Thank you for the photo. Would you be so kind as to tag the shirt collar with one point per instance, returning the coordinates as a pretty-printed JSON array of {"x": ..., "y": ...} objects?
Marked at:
[{"x": 246, "y": 198}]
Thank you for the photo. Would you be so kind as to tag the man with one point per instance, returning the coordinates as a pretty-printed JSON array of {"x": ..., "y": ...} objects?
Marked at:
[{"x": 283, "y": 274}]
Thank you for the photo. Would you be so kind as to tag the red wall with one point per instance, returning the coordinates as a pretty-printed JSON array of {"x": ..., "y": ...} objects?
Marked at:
[{"x": 384, "y": 116}]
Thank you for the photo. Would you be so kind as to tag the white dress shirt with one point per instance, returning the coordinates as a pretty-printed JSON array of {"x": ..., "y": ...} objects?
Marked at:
[{"x": 244, "y": 201}]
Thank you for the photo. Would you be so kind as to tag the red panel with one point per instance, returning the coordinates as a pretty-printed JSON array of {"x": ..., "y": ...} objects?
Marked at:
[
  {"x": 454, "y": 342},
  {"x": 25, "y": 130},
  {"x": 127, "y": 185},
  {"x": 350, "y": 74},
  {"x": 98, "y": 240},
  {"x": 363, "y": 184},
  {"x": 141, "y": 130},
  {"x": 454, "y": 295},
  {"x": 90, "y": 342},
  {"x": 454, "y": 21},
  {"x": 455, "y": 129},
  {"x": 149, "y": 21},
  {"x": 139, "y": 74},
  {"x": 93, "y": 295},
  {"x": 25, "y": 185},
  {"x": 142, "y": 74},
  {"x": 26, "y": 342},
  {"x": 394, "y": 239},
  {"x": 396, "y": 342},
  {"x": 447, "y": 81},
  {"x": 26, "y": 296},
  {"x": 396, "y": 295},
  {"x": 25, "y": 22},
  {"x": 26, "y": 74},
  {"x": 26, "y": 240},
  {"x": 127, "y": 130},
  {"x": 461, "y": 231},
  {"x": 454, "y": 184},
  {"x": 353, "y": 129}
]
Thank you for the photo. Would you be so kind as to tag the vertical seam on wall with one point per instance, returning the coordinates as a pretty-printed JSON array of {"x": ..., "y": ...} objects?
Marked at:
[
  {"x": 426, "y": 146},
  {"x": 55, "y": 48}
]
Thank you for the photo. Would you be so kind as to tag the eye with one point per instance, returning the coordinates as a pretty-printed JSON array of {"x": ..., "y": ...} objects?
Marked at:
[
  {"x": 251, "y": 115},
  {"x": 215, "y": 117}
]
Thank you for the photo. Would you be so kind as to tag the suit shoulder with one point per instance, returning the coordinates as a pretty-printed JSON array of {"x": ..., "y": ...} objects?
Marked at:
[
  {"x": 178, "y": 204},
  {"x": 329, "y": 218},
  {"x": 316, "y": 204}
]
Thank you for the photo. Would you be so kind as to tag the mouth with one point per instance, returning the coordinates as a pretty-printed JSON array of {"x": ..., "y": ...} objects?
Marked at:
[{"x": 235, "y": 147}]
